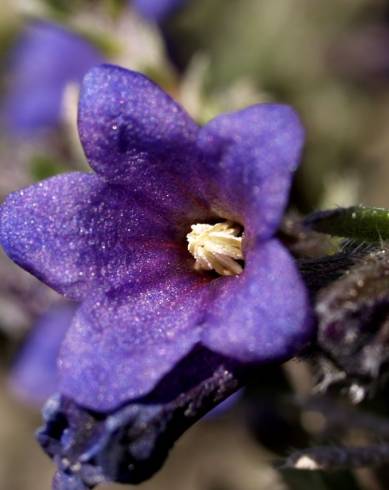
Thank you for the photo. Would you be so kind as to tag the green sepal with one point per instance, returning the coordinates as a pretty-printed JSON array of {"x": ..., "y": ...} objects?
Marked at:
[{"x": 358, "y": 222}]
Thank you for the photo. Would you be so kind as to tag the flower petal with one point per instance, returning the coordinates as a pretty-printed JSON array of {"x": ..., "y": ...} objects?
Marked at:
[
  {"x": 249, "y": 157},
  {"x": 76, "y": 232},
  {"x": 157, "y": 11},
  {"x": 263, "y": 314},
  {"x": 45, "y": 60},
  {"x": 34, "y": 376},
  {"x": 122, "y": 343},
  {"x": 134, "y": 133}
]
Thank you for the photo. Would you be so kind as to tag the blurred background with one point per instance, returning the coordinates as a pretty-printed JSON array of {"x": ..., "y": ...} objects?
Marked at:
[{"x": 328, "y": 59}]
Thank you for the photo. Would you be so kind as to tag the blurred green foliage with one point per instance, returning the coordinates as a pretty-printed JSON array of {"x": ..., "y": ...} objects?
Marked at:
[{"x": 44, "y": 166}]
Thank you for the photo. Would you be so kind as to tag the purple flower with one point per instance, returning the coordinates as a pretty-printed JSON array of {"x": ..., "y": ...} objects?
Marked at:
[
  {"x": 45, "y": 60},
  {"x": 34, "y": 376},
  {"x": 117, "y": 240},
  {"x": 157, "y": 10}
]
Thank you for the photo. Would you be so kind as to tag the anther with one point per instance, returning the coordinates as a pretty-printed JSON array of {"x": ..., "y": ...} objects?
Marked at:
[{"x": 216, "y": 247}]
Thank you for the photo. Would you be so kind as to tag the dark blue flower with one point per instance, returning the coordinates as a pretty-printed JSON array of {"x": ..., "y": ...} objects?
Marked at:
[
  {"x": 116, "y": 240},
  {"x": 157, "y": 10},
  {"x": 45, "y": 60},
  {"x": 34, "y": 376}
]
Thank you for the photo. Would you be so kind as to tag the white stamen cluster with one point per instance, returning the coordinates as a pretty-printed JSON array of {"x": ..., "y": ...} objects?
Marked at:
[{"x": 216, "y": 247}]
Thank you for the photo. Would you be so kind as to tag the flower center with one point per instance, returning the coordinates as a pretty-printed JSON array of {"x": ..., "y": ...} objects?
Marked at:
[{"x": 216, "y": 247}]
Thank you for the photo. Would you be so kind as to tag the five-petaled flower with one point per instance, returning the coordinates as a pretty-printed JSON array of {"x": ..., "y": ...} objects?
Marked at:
[{"x": 117, "y": 240}]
